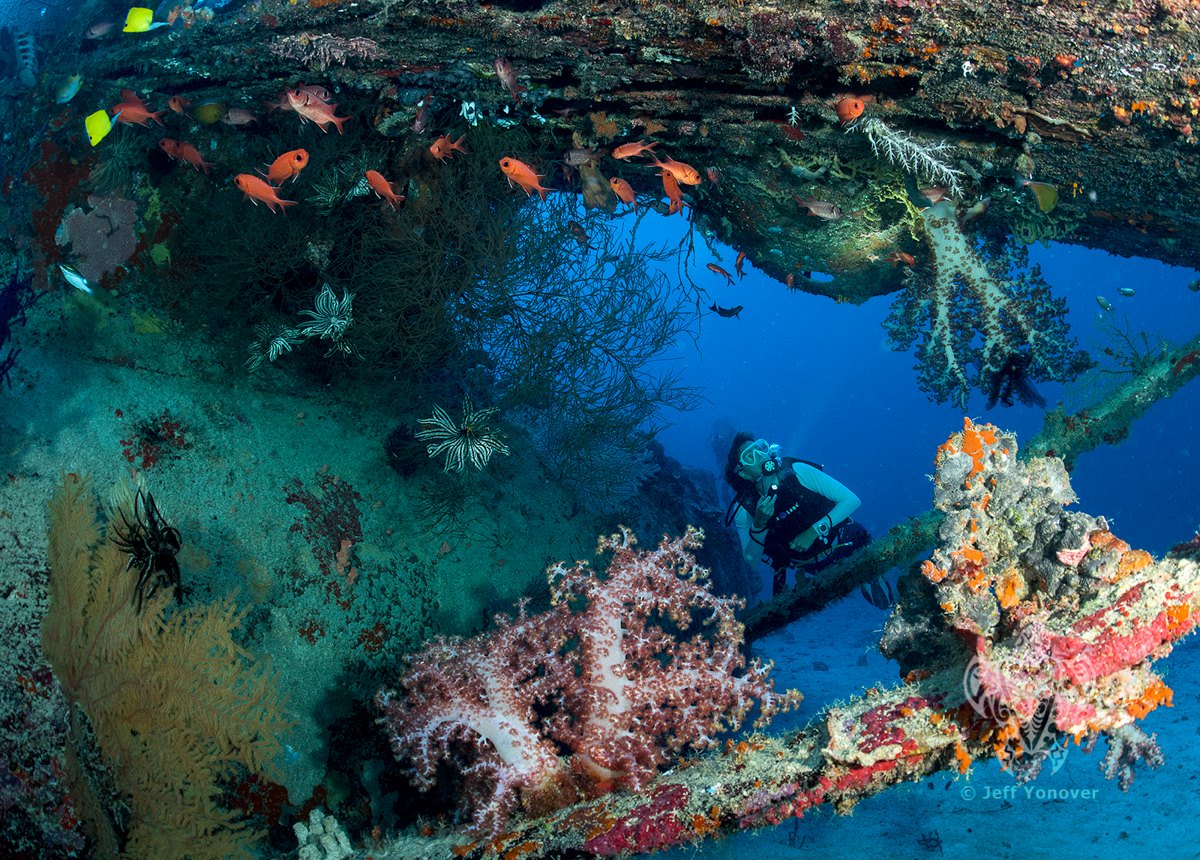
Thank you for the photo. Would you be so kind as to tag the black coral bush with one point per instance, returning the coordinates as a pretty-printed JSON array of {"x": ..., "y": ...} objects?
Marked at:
[{"x": 165, "y": 707}]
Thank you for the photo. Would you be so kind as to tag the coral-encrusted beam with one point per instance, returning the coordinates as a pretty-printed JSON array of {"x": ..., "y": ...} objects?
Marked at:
[
  {"x": 1063, "y": 435},
  {"x": 1032, "y": 627}
]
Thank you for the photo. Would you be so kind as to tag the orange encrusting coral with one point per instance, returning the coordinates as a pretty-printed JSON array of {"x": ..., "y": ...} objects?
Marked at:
[
  {"x": 1157, "y": 693},
  {"x": 1107, "y": 540},
  {"x": 1008, "y": 588},
  {"x": 971, "y": 565},
  {"x": 963, "y": 757},
  {"x": 932, "y": 572},
  {"x": 974, "y": 440},
  {"x": 1132, "y": 562}
]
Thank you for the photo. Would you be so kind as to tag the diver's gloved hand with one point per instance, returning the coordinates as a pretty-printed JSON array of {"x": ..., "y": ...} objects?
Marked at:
[{"x": 766, "y": 507}]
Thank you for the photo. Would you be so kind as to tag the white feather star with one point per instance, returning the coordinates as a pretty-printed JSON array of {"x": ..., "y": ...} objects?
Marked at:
[
  {"x": 331, "y": 317},
  {"x": 473, "y": 442}
]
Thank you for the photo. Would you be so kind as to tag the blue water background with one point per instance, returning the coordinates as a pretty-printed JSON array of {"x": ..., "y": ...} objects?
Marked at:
[{"x": 818, "y": 378}]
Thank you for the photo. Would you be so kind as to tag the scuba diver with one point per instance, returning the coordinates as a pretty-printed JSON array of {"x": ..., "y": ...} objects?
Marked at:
[{"x": 788, "y": 512}]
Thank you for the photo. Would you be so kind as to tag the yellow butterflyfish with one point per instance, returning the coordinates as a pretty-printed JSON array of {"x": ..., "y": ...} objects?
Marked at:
[
  {"x": 98, "y": 125},
  {"x": 141, "y": 19}
]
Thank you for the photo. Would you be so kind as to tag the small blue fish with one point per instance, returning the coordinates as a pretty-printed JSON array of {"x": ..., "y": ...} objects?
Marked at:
[
  {"x": 67, "y": 89},
  {"x": 1104, "y": 303},
  {"x": 1127, "y": 291},
  {"x": 75, "y": 279}
]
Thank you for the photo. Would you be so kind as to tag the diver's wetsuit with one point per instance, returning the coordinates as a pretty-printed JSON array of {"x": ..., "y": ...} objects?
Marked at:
[{"x": 806, "y": 496}]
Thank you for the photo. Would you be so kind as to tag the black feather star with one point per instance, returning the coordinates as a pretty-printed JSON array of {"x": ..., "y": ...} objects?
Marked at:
[{"x": 1011, "y": 383}]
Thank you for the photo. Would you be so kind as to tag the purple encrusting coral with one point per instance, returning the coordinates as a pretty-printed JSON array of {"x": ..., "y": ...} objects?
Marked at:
[{"x": 102, "y": 237}]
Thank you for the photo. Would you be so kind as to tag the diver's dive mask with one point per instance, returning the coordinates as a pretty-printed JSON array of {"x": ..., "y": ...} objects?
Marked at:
[{"x": 760, "y": 455}]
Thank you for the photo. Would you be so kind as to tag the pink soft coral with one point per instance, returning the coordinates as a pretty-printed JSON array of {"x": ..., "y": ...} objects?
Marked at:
[
  {"x": 625, "y": 672},
  {"x": 645, "y": 693},
  {"x": 476, "y": 697}
]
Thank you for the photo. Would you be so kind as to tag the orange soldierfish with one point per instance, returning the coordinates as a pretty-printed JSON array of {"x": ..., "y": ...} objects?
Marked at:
[
  {"x": 314, "y": 110},
  {"x": 255, "y": 189},
  {"x": 178, "y": 104},
  {"x": 444, "y": 147},
  {"x": 319, "y": 93},
  {"x": 717, "y": 270},
  {"x": 181, "y": 151},
  {"x": 522, "y": 174},
  {"x": 848, "y": 109},
  {"x": 684, "y": 173},
  {"x": 286, "y": 166},
  {"x": 901, "y": 257},
  {"x": 623, "y": 190},
  {"x": 632, "y": 150},
  {"x": 741, "y": 261},
  {"x": 671, "y": 189},
  {"x": 382, "y": 188},
  {"x": 133, "y": 110},
  {"x": 187, "y": 152}
]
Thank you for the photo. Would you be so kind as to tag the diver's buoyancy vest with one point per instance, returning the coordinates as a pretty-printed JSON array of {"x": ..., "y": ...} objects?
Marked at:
[{"x": 796, "y": 508}]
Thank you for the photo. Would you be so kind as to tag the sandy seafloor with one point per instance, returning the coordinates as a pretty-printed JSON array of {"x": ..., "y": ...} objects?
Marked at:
[{"x": 85, "y": 379}]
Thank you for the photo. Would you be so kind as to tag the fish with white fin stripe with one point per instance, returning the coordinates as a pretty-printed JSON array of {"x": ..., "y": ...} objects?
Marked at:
[{"x": 75, "y": 279}]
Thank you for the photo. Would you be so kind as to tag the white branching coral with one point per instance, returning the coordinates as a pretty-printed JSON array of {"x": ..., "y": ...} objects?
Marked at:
[
  {"x": 471, "y": 442},
  {"x": 924, "y": 159}
]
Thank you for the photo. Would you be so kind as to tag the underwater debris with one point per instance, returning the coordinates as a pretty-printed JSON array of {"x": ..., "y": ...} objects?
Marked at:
[{"x": 1016, "y": 626}]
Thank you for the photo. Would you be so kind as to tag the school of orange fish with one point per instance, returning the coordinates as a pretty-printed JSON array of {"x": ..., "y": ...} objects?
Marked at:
[{"x": 313, "y": 104}]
